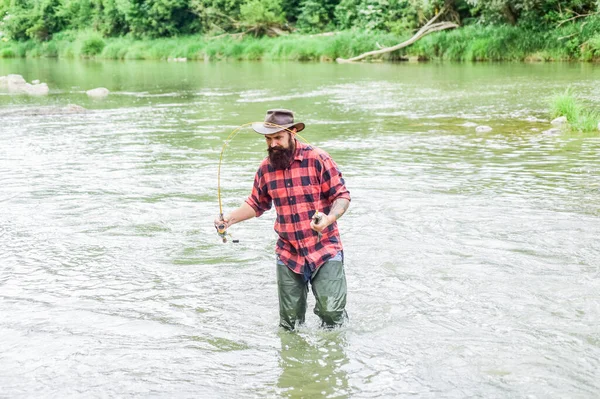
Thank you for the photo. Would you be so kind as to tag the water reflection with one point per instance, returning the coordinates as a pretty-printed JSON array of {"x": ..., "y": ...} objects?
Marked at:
[{"x": 313, "y": 366}]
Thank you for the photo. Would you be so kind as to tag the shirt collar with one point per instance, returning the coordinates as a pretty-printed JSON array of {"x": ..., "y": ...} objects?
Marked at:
[{"x": 299, "y": 153}]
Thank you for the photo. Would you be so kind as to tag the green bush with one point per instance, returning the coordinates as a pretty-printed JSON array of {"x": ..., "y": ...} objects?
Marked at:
[
  {"x": 7, "y": 53},
  {"x": 91, "y": 45}
]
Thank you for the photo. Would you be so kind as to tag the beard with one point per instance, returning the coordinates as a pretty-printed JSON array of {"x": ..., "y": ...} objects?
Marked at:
[{"x": 280, "y": 158}]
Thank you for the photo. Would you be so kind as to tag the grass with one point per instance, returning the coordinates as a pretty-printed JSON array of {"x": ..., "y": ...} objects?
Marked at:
[
  {"x": 579, "y": 118},
  {"x": 576, "y": 41}
]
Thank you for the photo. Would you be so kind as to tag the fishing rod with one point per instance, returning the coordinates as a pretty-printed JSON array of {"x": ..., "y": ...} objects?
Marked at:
[{"x": 221, "y": 228}]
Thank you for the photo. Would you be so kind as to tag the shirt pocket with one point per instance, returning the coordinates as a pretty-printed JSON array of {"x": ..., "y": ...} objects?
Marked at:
[{"x": 309, "y": 198}]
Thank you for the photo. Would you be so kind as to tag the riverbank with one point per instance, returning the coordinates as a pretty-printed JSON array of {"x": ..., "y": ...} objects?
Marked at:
[
  {"x": 573, "y": 42},
  {"x": 574, "y": 113}
]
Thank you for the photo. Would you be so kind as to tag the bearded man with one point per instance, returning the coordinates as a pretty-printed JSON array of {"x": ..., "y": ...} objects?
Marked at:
[{"x": 309, "y": 194}]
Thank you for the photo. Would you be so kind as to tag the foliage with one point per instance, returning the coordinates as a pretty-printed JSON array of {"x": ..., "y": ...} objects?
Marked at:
[
  {"x": 31, "y": 19},
  {"x": 493, "y": 25},
  {"x": 316, "y": 16},
  {"x": 531, "y": 13},
  {"x": 158, "y": 18},
  {"x": 260, "y": 15},
  {"x": 92, "y": 44},
  {"x": 384, "y": 15}
]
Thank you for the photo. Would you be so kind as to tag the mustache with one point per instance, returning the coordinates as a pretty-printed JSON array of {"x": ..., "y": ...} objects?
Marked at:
[{"x": 271, "y": 150}]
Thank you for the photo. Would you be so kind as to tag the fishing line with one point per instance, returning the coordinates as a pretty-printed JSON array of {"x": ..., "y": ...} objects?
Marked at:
[{"x": 221, "y": 228}]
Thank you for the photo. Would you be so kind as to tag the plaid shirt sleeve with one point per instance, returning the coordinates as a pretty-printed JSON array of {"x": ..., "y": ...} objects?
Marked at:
[
  {"x": 259, "y": 199},
  {"x": 332, "y": 182}
]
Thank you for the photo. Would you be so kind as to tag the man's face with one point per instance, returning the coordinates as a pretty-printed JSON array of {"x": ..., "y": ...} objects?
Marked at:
[
  {"x": 280, "y": 140},
  {"x": 281, "y": 149}
]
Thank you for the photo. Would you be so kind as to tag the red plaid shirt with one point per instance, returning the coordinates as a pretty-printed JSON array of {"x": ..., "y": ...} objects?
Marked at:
[{"x": 312, "y": 182}]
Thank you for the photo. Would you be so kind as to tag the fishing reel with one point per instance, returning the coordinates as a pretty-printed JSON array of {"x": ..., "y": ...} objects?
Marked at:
[{"x": 222, "y": 231}]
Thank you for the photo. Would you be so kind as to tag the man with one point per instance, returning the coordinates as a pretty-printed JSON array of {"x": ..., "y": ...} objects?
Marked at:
[{"x": 300, "y": 180}]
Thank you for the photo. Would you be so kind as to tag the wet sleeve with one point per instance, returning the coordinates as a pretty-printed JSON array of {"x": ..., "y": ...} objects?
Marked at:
[
  {"x": 332, "y": 182},
  {"x": 259, "y": 199}
]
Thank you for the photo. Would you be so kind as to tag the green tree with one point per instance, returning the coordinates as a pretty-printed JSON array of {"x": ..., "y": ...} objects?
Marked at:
[
  {"x": 217, "y": 15},
  {"x": 110, "y": 17},
  {"x": 531, "y": 13},
  {"x": 159, "y": 18},
  {"x": 261, "y": 15},
  {"x": 316, "y": 16}
]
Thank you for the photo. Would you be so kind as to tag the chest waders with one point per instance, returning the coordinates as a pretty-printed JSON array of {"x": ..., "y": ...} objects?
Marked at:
[{"x": 328, "y": 285}]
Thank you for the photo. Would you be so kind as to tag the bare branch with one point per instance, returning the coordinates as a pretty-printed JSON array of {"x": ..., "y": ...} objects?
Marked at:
[
  {"x": 422, "y": 32},
  {"x": 576, "y": 17},
  {"x": 426, "y": 29}
]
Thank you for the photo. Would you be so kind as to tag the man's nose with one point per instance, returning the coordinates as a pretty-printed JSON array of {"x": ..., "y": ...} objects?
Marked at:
[{"x": 273, "y": 144}]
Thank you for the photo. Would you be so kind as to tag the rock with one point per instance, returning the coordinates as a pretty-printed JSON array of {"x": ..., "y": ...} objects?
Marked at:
[
  {"x": 561, "y": 120},
  {"x": 533, "y": 119},
  {"x": 15, "y": 80},
  {"x": 99, "y": 92},
  {"x": 74, "y": 109},
  {"x": 36, "y": 89},
  {"x": 16, "y": 84},
  {"x": 483, "y": 129},
  {"x": 469, "y": 124},
  {"x": 552, "y": 131},
  {"x": 35, "y": 82},
  {"x": 41, "y": 111},
  {"x": 181, "y": 59}
]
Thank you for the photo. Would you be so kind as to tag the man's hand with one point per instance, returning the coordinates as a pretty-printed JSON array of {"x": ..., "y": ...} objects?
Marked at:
[
  {"x": 240, "y": 214},
  {"x": 320, "y": 222},
  {"x": 221, "y": 223}
]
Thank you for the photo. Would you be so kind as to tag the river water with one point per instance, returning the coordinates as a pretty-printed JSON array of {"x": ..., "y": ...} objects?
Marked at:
[{"x": 472, "y": 258}]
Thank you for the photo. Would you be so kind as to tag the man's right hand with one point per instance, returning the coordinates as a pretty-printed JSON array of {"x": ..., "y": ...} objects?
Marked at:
[
  {"x": 240, "y": 214},
  {"x": 221, "y": 224}
]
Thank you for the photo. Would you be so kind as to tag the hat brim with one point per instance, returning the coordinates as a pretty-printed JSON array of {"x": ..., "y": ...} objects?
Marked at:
[{"x": 260, "y": 127}]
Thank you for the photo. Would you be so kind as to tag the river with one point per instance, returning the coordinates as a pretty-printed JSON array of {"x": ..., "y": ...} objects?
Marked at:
[{"x": 472, "y": 259}]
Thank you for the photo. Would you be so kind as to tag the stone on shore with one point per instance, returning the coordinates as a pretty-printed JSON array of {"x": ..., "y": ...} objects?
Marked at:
[
  {"x": 40, "y": 89},
  {"x": 99, "y": 92},
  {"x": 561, "y": 120},
  {"x": 483, "y": 129},
  {"x": 16, "y": 84}
]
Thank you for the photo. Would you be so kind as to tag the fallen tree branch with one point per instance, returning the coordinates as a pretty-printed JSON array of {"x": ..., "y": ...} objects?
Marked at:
[
  {"x": 325, "y": 34},
  {"x": 568, "y": 36},
  {"x": 426, "y": 29},
  {"x": 276, "y": 31},
  {"x": 422, "y": 32},
  {"x": 576, "y": 17}
]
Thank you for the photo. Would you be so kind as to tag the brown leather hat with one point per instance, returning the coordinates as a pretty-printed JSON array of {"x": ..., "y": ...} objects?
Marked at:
[{"x": 276, "y": 120}]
